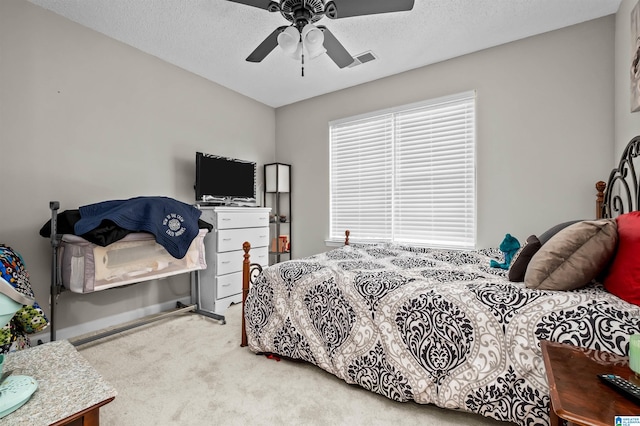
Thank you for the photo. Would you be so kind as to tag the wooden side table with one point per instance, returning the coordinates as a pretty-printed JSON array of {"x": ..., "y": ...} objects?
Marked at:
[
  {"x": 70, "y": 391},
  {"x": 577, "y": 394}
]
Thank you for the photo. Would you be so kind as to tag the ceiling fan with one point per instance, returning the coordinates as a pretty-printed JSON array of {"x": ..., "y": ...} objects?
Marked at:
[{"x": 303, "y": 36}]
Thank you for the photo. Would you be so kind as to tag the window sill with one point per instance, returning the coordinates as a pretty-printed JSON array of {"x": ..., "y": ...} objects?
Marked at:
[
  {"x": 340, "y": 243},
  {"x": 333, "y": 243}
]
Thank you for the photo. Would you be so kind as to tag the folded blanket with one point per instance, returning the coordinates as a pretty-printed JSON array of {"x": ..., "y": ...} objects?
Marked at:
[
  {"x": 105, "y": 234},
  {"x": 173, "y": 223},
  {"x": 14, "y": 283},
  {"x": 14, "y": 279}
]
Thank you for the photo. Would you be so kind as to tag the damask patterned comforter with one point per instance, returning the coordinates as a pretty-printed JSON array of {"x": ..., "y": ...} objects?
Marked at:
[{"x": 434, "y": 326}]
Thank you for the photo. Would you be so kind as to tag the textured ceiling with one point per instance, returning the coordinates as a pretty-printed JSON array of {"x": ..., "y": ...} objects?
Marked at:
[{"x": 212, "y": 38}]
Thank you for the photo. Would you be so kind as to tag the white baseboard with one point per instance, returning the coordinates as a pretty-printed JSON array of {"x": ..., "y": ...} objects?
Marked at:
[{"x": 103, "y": 323}]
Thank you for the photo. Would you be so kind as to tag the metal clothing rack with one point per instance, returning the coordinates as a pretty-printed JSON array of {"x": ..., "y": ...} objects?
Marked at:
[{"x": 57, "y": 288}]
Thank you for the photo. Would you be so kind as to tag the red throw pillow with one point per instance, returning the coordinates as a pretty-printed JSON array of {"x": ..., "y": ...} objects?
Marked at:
[{"x": 623, "y": 278}]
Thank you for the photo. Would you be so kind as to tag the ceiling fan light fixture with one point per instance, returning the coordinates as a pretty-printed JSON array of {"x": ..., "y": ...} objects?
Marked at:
[
  {"x": 313, "y": 41},
  {"x": 289, "y": 42},
  {"x": 297, "y": 54},
  {"x": 301, "y": 13}
]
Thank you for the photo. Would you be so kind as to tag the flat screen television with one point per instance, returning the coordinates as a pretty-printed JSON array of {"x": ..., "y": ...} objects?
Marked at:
[{"x": 218, "y": 178}]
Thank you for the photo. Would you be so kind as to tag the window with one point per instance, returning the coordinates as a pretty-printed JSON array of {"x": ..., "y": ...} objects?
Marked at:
[{"x": 406, "y": 175}]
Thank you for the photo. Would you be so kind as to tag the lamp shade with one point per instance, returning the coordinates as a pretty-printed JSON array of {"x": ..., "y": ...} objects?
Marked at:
[
  {"x": 277, "y": 177},
  {"x": 289, "y": 42},
  {"x": 313, "y": 41}
]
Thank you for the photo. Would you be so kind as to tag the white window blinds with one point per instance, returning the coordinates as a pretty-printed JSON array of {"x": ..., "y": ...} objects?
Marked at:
[{"x": 406, "y": 175}]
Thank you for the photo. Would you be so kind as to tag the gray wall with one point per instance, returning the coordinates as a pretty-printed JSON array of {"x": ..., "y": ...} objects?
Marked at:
[
  {"x": 84, "y": 118},
  {"x": 544, "y": 131},
  {"x": 627, "y": 124}
]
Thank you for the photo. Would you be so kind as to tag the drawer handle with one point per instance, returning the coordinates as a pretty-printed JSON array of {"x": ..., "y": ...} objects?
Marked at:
[
  {"x": 262, "y": 236},
  {"x": 226, "y": 239},
  {"x": 263, "y": 218},
  {"x": 226, "y": 218},
  {"x": 226, "y": 285},
  {"x": 225, "y": 262}
]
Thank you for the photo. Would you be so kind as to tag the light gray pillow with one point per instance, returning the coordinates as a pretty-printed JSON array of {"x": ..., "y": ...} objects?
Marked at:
[{"x": 573, "y": 257}]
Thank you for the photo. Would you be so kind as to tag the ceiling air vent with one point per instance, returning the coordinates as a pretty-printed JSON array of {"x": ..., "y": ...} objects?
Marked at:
[{"x": 362, "y": 58}]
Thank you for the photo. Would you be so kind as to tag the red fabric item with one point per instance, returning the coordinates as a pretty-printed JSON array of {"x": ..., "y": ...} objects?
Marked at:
[
  {"x": 274, "y": 357},
  {"x": 623, "y": 278}
]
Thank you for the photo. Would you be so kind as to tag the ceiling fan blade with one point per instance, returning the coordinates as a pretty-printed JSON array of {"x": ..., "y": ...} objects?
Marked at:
[
  {"x": 345, "y": 8},
  {"x": 335, "y": 49},
  {"x": 266, "y": 46},
  {"x": 269, "y": 5}
]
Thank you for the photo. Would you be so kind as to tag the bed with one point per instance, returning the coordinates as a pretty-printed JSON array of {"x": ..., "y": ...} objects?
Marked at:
[{"x": 443, "y": 327}]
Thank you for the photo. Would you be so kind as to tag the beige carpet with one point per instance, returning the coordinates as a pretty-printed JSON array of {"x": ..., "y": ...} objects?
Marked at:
[{"x": 191, "y": 370}]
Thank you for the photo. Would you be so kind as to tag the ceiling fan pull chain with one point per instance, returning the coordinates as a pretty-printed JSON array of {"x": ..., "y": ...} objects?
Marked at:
[{"x": 302, "y": 55}]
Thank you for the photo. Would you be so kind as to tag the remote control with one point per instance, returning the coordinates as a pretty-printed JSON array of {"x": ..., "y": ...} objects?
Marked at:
[{"x": 625, "y": 387}]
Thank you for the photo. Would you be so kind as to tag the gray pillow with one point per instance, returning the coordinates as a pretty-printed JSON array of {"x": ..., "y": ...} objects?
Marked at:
[
  {"x": 573, "y": 257},
  {"x": 546, "y": 235}
]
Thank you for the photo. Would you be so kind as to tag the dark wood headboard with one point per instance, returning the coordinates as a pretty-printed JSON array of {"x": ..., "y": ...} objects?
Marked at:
[{"x": 621, "y": 192}]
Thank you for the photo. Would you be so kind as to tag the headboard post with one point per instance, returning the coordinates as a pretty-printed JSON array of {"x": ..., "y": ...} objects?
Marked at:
[
  {"x": 246, "y": 263},
  {"x": 600, "y": 187},
  {"x": 346, "y": 237}
]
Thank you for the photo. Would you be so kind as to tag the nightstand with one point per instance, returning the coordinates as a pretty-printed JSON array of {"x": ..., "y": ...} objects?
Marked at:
[{"x": 577, "y": 395}]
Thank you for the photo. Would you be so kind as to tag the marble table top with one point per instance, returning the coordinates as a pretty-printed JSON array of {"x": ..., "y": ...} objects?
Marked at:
[{"x": 67, "y": 383}]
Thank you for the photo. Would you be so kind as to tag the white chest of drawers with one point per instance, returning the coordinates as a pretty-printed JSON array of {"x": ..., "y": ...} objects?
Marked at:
[{"x": 221, "y": 283}]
